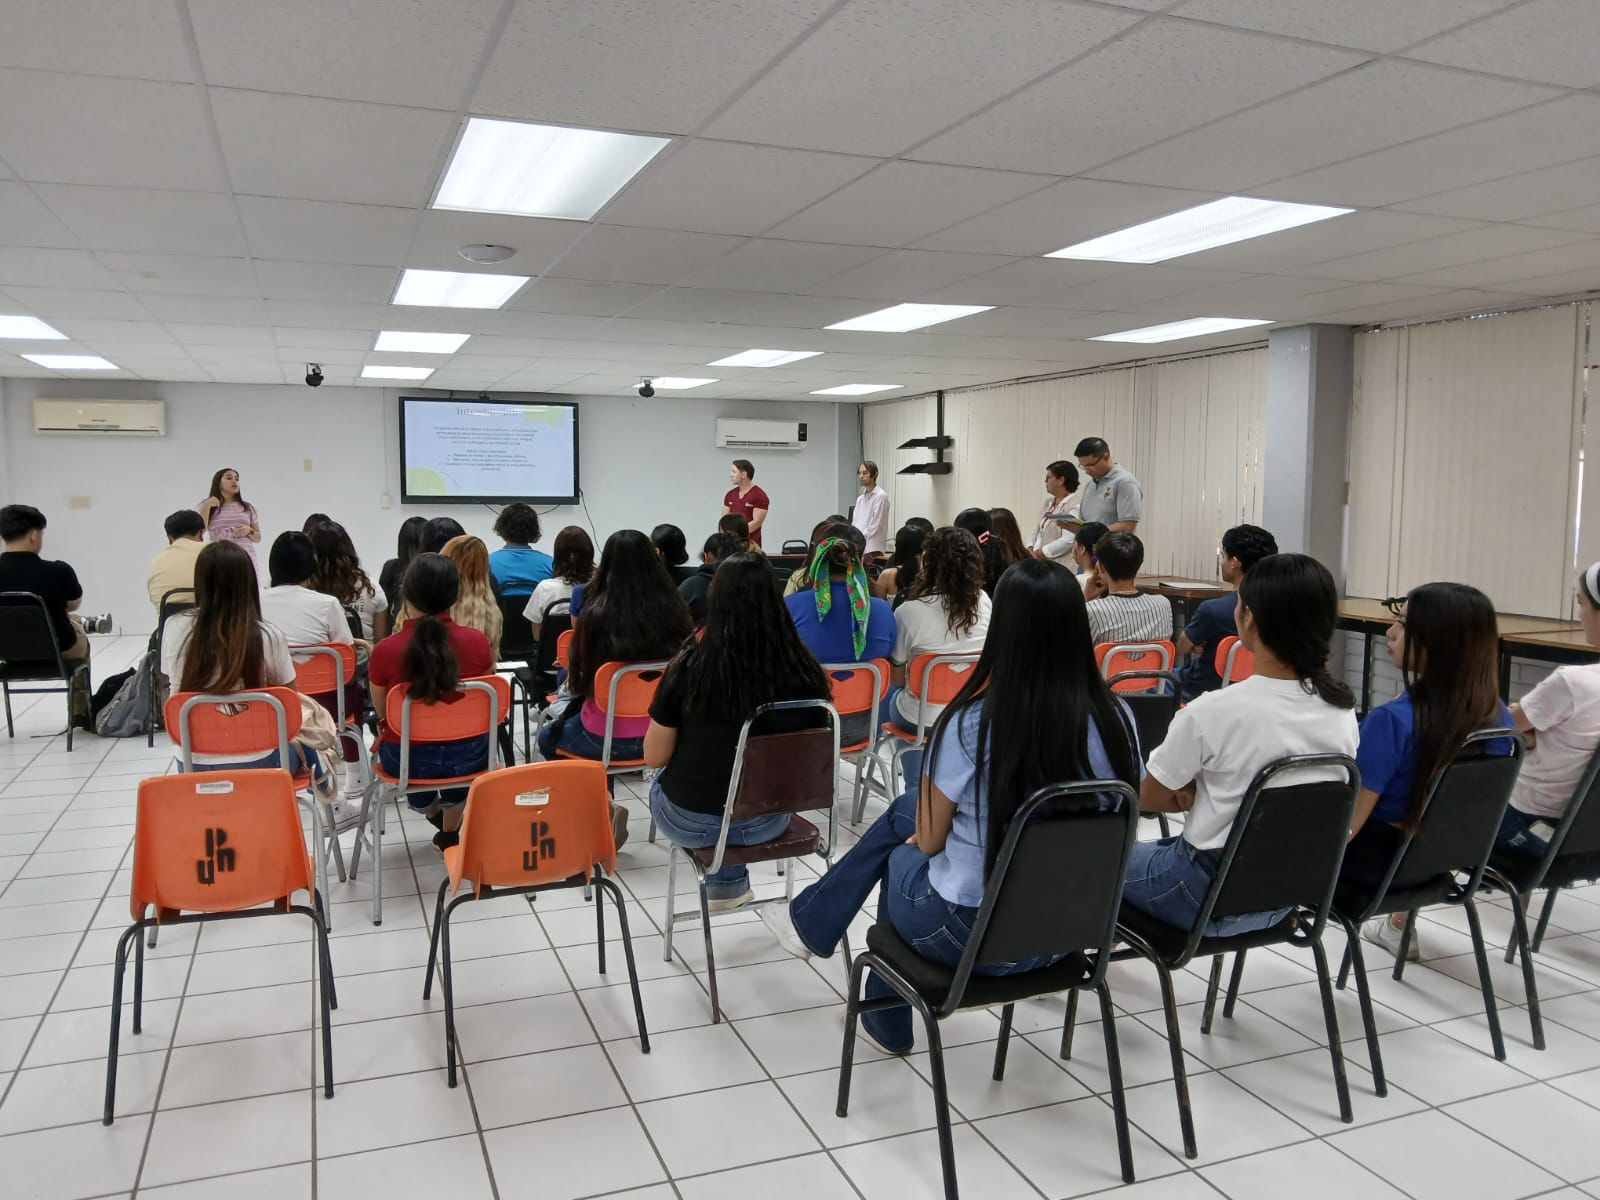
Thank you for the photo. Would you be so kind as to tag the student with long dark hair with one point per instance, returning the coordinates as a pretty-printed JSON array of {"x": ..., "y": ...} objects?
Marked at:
[
  {"x": 674, "y": 550},
  {"x": 993, "y": 551},
  {"x": 1004, "y": 523},
  {"x": 430, "y": 655},
  {"x": 1286, "y": 611},
  {"x": 339, "y": 574},
  {"x": 1084, "y": 543},
  {"x": 571, "y": 566},
  {"x": 229, "y": 517},
  {"x": 1446, "y": 643},
  {"x": 409, "y": 545},
  {"x": 946, "y": 612},
  {"x": 895, "y": 581},
  {"x": 436, "y": 532},
  {"x": 748, "y": 656},
  {"x": 930, "y": 854}
]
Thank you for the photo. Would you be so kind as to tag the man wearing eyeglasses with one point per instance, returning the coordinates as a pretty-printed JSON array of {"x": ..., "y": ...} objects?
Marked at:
[{"x": 1112, "y": 496}]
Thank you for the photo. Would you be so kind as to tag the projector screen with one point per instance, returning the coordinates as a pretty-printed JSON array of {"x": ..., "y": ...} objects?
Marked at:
[{"x": 487, "y": 451}]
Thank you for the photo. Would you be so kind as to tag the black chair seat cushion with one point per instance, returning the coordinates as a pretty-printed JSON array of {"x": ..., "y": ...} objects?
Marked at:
[
  {"x": 932, "y": 980},
  {"x": 32, "y": 672},
  {"x": 1168, "y": 940},
  {"x": 1353, "y": 899},
  {"x": 802, "y": 837},
  {"x": 1567, "y": 869}
]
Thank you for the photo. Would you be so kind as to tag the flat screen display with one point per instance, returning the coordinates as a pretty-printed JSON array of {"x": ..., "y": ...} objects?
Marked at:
[{"x": 487, "y": 451}]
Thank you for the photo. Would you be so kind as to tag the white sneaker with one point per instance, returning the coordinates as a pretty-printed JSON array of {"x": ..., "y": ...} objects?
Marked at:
[
  {"x": 1381, "y": 932},
  {"x": 344, "y": 814},
  {"x": 729, "y": 903},
  {"x": 778, "y": 921}
]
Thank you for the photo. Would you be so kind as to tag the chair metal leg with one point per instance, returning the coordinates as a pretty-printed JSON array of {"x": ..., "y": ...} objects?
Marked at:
[
  {"x": 711, "y": 958},
  {"x": 1335, "y": 1044},
  {"x": 1119, "y": 1102},
  {"x": 1180, "y": 1077},
  {"x": 941, "y": 1098},
  {"x": 1070, "y": 1024},
  {"x": 600, "y": 929},
  {"x": 1406, "y": 934},
  {"x": 11, "y": 731},
  {"x": 1003, "y": 1042},
  {"x": 1530, "y": 988},
  {"x": 1352, "y": 933},
  {"x": 627, "y": 953},
  {"x": 1212, "y": 985},
  {"x": 321, "y": 910},
  {"x": 138, "y": 985},
  {"x": 132, "y": 933},
  {"x": 433, "y": 939},
  {"x": 1490, "y": 1009},
  {"x": 1369, "y": 1026},
  {"x": 1518, "y": 901},
  {"x": 449, "y": 1002},
  {"x": 325, "y": 982},
  {"x": 1162, "y": 824},
  {"x": 1544, "y": 918},
  {"x": 852, "y": 1014},
  {"x": 1234, "y": 981},
  {"x": 672, "y": 902},
  {"x": 651, "y": 836}
]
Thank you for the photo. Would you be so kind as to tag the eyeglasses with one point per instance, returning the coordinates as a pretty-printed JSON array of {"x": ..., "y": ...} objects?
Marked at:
[{"x": 1394, "y": 604}]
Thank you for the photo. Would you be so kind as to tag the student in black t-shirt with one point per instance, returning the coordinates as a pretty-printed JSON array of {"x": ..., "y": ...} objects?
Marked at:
[
  {"x": 23, "y": 570},
  {"x": 750, "y": 655}
]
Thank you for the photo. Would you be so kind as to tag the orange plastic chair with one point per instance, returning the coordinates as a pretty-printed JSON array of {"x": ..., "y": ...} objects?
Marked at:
[
  {"x": 564, "y": 647},
  {"x": 623, "y": 690},
  {"x": 858, "y": 688},
  {"x": 534, "y": 828},
  {"x": 931, "y": 678},
  {"x": 474, "y": 713},
  {"x": 321, "y": 668},
  {"x": 215, "y": 846},
  {"x": 1117, "y": 658},
  {"x": 1233, "y": 660}
]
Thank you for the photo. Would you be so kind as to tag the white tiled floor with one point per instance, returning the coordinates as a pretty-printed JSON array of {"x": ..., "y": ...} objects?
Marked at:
[{"x": 556, "y": 1100}]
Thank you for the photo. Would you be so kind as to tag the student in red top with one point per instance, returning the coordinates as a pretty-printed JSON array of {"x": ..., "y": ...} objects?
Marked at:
[
  {"x": 745, "y": 498},
  {"x": 430, "y": 655}
]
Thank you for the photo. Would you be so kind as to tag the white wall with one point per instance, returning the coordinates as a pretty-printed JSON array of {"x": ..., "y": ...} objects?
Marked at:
[{"x": 642, "y": 462}]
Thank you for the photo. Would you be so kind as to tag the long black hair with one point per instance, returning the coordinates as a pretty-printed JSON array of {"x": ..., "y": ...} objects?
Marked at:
[
  {"x": 430, "y": 586},
  {"x": 905, "y": 560},
  {"x": 437, "y": 532},
  {"x": 670, "y": 544},
  {"x": 751, "y": 654},
  {"x": 1295, "y": 605},
  {"x": 978, "y": 523},
  {"x": 409, "y": 544},
  {"x": 1017, "y": 677},
  {"x": 631, "y": 611}
]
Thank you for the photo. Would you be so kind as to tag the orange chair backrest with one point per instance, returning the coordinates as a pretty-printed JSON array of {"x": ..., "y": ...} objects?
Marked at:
[
  {"x": 853, "y": 687},
  {"x": 217, "y": 842},
  {"x": 1244, "y": 660},
  {"x": 464, "y": 715},
  {"x": 564, "y": 647},
  {"x": 318, "y": 674},
  {"x": 940, "y": 684},
  {"x": 1116, "y": 657},
  {"x": 233, "y": 728},
  {"x": 537, "y": 823},
  {"x": 636, "y": 687}
]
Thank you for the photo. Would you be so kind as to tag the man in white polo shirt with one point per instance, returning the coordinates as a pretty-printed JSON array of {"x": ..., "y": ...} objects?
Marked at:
[{"x": 1112, "y": 496}]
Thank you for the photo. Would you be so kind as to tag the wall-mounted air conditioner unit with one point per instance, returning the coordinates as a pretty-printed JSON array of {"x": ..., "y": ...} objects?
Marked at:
[
  {"x": 142, "y": 418},
  {"x": 734, "y": 433}
]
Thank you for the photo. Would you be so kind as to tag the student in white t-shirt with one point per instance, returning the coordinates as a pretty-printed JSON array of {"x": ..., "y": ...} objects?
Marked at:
[
  {"x": 947, "y": 611},
  {"x": 1561, "y": 717},
  {"x": 304, "y": 617},
  {"x": 572, "y": 563},
  {"x": 1292, "y": 705}
]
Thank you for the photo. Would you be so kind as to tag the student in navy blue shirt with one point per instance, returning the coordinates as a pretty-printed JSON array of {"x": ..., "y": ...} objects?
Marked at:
[
  {"x": 517, "y": 567},
  {"x": 1242, "y": 547},
  {"x": 1446, "y": 643}
]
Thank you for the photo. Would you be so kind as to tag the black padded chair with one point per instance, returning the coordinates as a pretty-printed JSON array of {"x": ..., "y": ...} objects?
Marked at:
[
  {"x": 30, "y": 653},
  {"x": 555, "y": 620},
  {"x": 1053, "y": 892},
  {"x": 173, "y": 601},
  {"x": 517, "y": 642},
  {"x": 796, "y": 546},
  {"x": 1460, "y": 817},
  {"x": 1153, "y": 713},
  {"x": 1283, "y": 852}
]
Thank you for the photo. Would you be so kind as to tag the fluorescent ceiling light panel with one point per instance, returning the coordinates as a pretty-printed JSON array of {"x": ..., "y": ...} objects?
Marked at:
[
  {"x": 858, "y": 389},
  {"x": 30, "y": 328},
  {"x": 764, "y": 358},
  {"x": 384, "y": 372},
  {"x": 678, "y": 383},
  {"x": 541, "y": 170},
  {"x": 1219, "y": 223},
  {"x": 420, "y": 343},
  {"x": 456, "y": 289},
  {"x": 1175, "y": 331},
  {"x": 902, "y": 318},
  {"x": 72, "y": 362}
]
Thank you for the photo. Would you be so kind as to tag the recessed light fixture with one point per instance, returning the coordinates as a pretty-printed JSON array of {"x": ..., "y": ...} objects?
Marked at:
[
  {"x": 387, "y": 372},
  {"x": 72, "y": 362},
  {"x": 30, "y": 328},
  {"x": 456, "y": 289},
  {"x": 1231, "y": 219},
  {"x": 763, "y": 358},
  {"x": 407, "y": 342},
  {"x": 541, "y": 170},
  {"x": 858, "y": 389},
  {"x": 678, "y": 383},
  {"x": 1177, "y": 330},
  {"x": 902, "y": 318}
]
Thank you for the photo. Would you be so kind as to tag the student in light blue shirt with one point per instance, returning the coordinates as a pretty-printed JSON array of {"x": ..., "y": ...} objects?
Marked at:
[
  {"x": 517, "y": 567},
  {"x": 932, "y": 850}
]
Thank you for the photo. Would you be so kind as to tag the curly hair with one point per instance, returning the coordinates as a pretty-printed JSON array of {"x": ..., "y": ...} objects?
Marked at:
[
  {"x": 951, "y": 569},
  {"x": 338, "y": 571},
  {"x": 518, "y": 524},
  {"x": 475, "y": 606}
]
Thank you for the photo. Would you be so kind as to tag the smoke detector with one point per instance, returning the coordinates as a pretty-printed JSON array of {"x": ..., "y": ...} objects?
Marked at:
[{"x": 486, "y": 254}]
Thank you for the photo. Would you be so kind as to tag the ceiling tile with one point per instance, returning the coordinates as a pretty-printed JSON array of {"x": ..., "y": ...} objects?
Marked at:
[
  {"x": 96, "y": 37},
  {"x": 1161, "y": 79},
  {"x": 1438, "y": 304},
  {"x": 903, "y": 202},
  {"x": 1532, "y": 194},
  {"x": 1353, "y": 233},
  {"x": 416, "y": 53},
  {"x": 1559, "y": 283},
  {"x": 1477, "y": 245},
  {"x": 1252, "y": 296},
  {"x": 1344, "y": 299},
  {"x": 221, "y": 335},
  {"x": 1138, "y": 284},
  {"x": 28, "y": 266},
  {"x": 766, "y": 264},
  {"x": 726, "y": 187},
  {"x": 1045, "y": 323},
  {"x": 24, "y": 221},
  {"x": 66, "y": 303},
  {"x": 1023, "y": 281},
  {"x": 311, "y": 231},
  {"x": 324, "y": 339},
  {"x": 340, "y": 150},
  {"x": 613, "y": 254},
  {"x": 626, "y": 65},
  {"x": 151, "y": 333},
  {"x": 141, "y": 219},
  {"x": 907, "y": 274},
  {"x": 577, "y": 297},
  {"x": 1549, "y": 40},
  {"x": 232, "y": 310},
  {"x": 860, "y": 82},
  {"x": 538, "y": 242},
  {"x": 116, "y": 132},
  {"x": 1586, "y": 219},
  {"x": 1377, "y": 105},
  {"x": 746, "y": 308},
  {"x": 332, "y": 282},
  {"x": 183, "y": 274},
  {"x": 1380, "y": 25},
  {"x": 1494, "y": 273},
  {"x": 313, "y": 313}
]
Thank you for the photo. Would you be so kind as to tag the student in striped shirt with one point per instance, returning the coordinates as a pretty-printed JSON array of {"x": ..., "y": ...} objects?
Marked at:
[{"x": 1121, "y": 614}]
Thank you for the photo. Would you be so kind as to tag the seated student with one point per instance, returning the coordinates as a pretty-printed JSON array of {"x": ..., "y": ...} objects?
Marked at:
[
  {"x": 1212, "y": 620},
  {"x": 1083, "y": 544},
  {"x": 23, "y": 570},
  {"x": 1446, "y": 643},
  {"x": 517, "y": 566},
  {"x": 740, "y": 528},
  {"x": 671, "y": 545},
  {"x": 571, "y": 567},
  {"x": 996, "y": 558},
  {"x": 749, "y": 656},
  {"x": 946, "y": 612},
  {"x": 929, "y": 855},
  {"x": 173, "y": 568},
  {"x": 475, "y": 606},
  {"x": 1287, "y": 609},
  {"x": 304, "y": 617},
  {"x": 895, "y": 581},
  {"x": 800, "y": 577},
  {"x": 410, "y": 545},
  {"x": 338, "y": 574},
  {"x": 436, "y": 532},
  {"x": 430, "y": 655},
  {"x": 718, "y": 548},
  {"x": 838, "y": 618},
  {"x": 1560, "y": 718},
  {"x": 1122, "y": 614},
  {"x": 1004, "y": 523}
]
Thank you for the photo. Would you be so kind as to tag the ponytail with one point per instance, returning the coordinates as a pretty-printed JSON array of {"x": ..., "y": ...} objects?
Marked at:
[
  {"x": 1332, "y": 689},
  {"x": 1296, "y": 608},
  {"x": 430, "y": 665}
]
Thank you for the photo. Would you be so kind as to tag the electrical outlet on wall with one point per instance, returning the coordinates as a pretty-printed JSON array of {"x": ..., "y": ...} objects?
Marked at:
[
  {"x": 80, "y": 502},
  {"x": 386, "y": 501}
]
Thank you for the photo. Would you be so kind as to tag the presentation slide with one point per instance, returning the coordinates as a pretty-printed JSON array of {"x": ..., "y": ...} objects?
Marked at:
[{"x": 476, "y": 451}]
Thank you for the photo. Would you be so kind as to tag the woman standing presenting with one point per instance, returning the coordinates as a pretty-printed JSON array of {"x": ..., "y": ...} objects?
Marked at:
[
  {"x": 1051, "y": 539},
  {"x": 229, "y": 517}
]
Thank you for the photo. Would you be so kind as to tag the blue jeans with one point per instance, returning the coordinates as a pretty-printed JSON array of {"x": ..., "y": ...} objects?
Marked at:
[
  {"x": 1168, "y": 880},
  {"x": 437, "y": 760},
  {"x": 697, "y": 831},
  {"x": 930, "y": 924},
  {"x": 298, "y": 761},
  {"x": 1517, "y": 836},
  {"x": 569, "y": 734}
]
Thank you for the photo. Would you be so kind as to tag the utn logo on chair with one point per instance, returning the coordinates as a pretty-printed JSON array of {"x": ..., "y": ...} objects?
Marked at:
[
  {"x": 544, "y": 846},
  {"x": 219, "y": 857}
]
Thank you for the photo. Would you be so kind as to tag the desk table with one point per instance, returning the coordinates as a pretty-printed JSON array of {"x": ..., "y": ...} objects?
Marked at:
[
  {"x": 1183, "y": 592},
  {"x": 1559, "y": 646}
]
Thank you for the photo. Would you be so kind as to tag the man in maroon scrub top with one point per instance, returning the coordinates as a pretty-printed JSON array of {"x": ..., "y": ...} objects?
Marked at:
[{"x": 745, "y": 498}]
